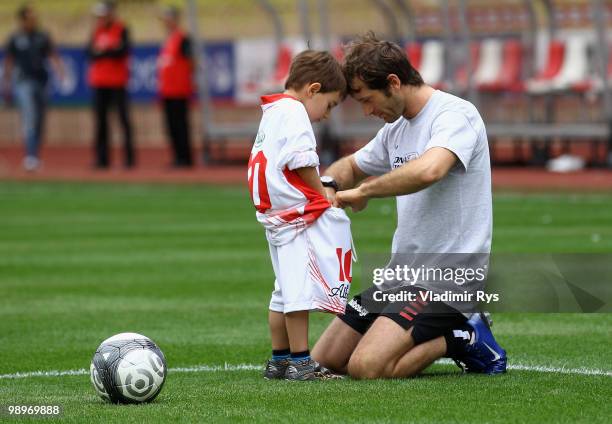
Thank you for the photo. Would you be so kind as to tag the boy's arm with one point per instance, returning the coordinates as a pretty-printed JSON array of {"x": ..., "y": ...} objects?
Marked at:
[{"x": 311, "y": 178}]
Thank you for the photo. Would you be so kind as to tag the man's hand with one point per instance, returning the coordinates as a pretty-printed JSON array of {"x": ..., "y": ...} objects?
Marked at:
[{"x": 355, "y": 198}]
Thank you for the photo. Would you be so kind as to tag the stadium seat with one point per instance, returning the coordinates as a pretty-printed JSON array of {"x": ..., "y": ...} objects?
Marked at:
[
  {"x": 595, "y": 83},
  {"x": 283, "y": 63},
  {"x": 490, "y": 63},
  {"x": 432, "y": 63},
  {"x": 574, "y": 72},
  {"x": 541, "y": 83},
  {"x": 414, "y": 52},
  {"x": 338, "y": 52},
  {"x": 276, "y": 81},
  {"x": 508, "y": 77}
]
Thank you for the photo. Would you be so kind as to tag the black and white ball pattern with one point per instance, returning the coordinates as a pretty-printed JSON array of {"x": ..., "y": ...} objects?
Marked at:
[{"x": 128, "y": 368}]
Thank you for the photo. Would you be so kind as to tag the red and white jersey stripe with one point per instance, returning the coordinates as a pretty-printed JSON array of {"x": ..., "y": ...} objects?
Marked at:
[{"x": 285, "y": 142}]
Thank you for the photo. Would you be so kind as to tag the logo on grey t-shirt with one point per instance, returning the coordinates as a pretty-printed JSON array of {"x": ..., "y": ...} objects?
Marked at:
[{"x": 400, "y": 160}]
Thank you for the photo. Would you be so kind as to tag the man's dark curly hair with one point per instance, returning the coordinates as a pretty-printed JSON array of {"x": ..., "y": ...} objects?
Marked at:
[{"x": 372, "y": 60}]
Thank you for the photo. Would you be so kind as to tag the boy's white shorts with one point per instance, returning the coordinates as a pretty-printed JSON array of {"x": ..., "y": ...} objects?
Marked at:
[{"x": 313, "y": 271}]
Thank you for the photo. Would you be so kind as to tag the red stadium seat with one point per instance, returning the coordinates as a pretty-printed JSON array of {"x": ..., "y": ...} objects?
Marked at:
[
  {"x": 556, "y": 53},
  {"x": 338, "y": 52},
  {"x": 554, "y": 62},
  {"x": 414, "y": 52},
  {"x": 283, "y": 63},
  {"x": 509, "y": 77},
  {"x": 575, "y": 71}
]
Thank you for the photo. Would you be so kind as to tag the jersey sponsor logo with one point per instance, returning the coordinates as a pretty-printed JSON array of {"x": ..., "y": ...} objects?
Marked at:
[
  {"x": 342, "y": 291},
  {"x": 261, "y": 136},
  {"x": 400, "y": 160}
]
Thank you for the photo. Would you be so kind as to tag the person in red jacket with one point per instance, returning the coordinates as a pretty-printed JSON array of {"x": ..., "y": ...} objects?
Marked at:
[
  {"x": 108, "y": 51},
  {"x": 176, "y": 86}
]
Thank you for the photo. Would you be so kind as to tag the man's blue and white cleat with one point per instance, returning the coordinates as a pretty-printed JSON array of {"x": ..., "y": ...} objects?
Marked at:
[{"x": 482, "y": 355}]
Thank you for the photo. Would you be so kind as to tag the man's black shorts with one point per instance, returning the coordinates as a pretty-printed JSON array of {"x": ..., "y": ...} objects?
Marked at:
[{"x": 428, "y": 320}]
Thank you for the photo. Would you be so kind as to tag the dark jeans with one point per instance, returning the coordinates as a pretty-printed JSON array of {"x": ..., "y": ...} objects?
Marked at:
[
  {"x": 32, "y": 99},
  {"x": 176, "y": 111},
  {"x": 104, "y": 100}
]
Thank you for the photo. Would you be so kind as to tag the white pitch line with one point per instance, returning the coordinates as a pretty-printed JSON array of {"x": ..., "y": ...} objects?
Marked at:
[
  {"x": 253, "y": 367},
  {"x": 547, "y": 369},
  {"x": 213, "y": 368},
  {"x": 52, "y": 373},
  {"x": 581, "y": 371}
]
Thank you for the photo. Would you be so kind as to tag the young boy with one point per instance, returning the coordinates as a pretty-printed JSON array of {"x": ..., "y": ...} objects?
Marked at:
[{"x": 310, "y": 242}]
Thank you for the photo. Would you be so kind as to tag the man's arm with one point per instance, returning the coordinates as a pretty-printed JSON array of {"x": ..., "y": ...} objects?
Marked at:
[
  {"x": 346, "y": 173},
  {"x": 411, "y": 177}
]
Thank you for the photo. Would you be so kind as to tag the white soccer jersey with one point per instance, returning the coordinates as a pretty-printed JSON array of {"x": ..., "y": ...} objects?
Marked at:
[
  {"x": 310, "y": 241},
  {"x": 285, "y": 142}
]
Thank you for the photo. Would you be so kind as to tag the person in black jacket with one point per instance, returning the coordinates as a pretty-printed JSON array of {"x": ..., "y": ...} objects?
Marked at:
[{"x": 27, "y": 51}]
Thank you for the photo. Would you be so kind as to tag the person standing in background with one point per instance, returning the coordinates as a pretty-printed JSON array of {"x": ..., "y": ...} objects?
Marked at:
[
  {"x": 27, "y": 51},
  {"x": 176, "y": 86},
  {"x": 108, "y": 51}
]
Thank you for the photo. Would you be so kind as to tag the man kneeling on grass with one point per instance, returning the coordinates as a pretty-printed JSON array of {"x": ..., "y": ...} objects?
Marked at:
[{"x": 433, "y": 156}]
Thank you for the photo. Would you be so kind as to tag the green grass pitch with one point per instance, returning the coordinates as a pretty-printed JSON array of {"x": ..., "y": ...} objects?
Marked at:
[{"x": 188, "y": 266}]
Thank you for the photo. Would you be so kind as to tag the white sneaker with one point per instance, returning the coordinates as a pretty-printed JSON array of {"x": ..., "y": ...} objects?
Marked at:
[{"x": 31, "y": 163}]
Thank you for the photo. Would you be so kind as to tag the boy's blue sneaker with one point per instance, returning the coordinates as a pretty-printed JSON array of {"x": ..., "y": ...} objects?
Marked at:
[{"x": 482, "y": 355}]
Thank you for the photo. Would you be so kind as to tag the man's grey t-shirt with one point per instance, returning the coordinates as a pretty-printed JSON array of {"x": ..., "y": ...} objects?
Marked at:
[{"x": 453, "y": 215}]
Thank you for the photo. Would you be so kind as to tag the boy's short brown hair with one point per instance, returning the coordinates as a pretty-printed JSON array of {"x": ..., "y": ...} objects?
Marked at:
[
  {"x": 372, "y": 60},
  {"x": 312, "y": 66}
]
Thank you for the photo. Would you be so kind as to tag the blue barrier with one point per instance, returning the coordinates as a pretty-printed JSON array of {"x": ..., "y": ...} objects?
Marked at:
[{"x": 74, "y": 89}]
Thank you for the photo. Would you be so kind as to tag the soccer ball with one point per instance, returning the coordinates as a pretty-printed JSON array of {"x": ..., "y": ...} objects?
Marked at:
[{"x": 128, "y": 368}]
